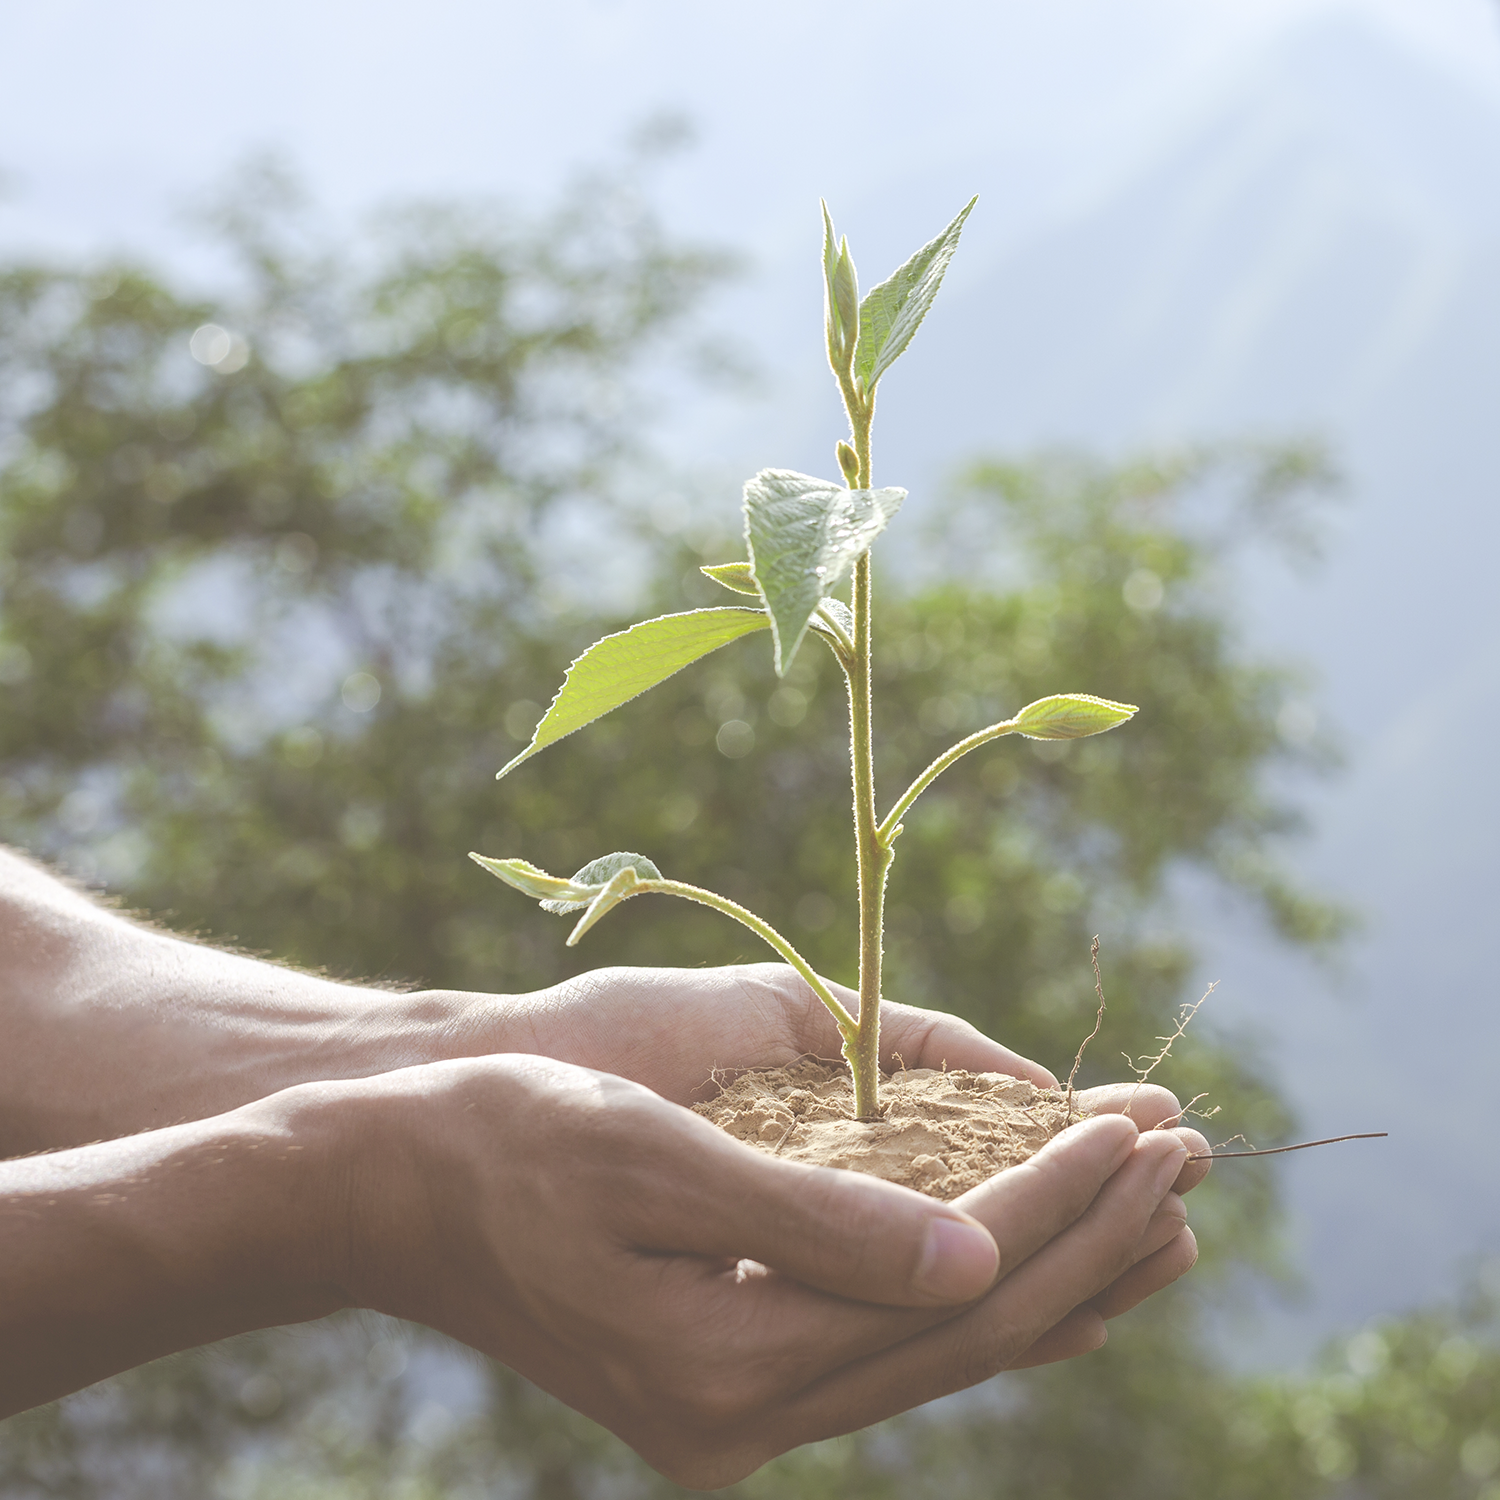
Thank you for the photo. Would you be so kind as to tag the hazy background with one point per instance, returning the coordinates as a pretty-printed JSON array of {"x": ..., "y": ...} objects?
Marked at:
[{"x": 1197, "y": 219}]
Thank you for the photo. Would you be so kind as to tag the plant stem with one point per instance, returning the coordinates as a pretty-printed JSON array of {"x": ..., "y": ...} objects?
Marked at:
[
  {"x": 873, "y": 855},
  {"x": 762, "y": 929},
  {"x": 936, "y": 769}
]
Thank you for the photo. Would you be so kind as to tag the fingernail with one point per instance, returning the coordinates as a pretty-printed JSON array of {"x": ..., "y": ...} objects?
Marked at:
[
  {"x": 1169, "y": 1169},
  {"x": 959, "y": 1261}
]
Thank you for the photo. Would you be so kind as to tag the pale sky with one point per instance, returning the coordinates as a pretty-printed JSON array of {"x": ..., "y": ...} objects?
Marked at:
[{"x": 110, "y": 114}]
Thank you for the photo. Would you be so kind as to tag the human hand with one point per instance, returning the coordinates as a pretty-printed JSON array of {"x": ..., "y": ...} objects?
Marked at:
[
  {"x": 712, "y": 1305},
  {"x": 672, "y": 1029},
  {"x": 676, "y": 1030}
]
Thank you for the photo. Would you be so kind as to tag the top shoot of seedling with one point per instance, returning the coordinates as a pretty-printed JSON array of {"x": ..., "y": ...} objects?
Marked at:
[{"x": 804, "y": 536}]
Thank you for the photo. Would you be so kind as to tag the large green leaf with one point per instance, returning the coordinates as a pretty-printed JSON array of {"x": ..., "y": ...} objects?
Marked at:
[
  {"x": 892, "y": 311},
  {"x": 1071, "y": 716},
  {"x": 803, "y": 534},
  {"x": 623, "y": 666}
]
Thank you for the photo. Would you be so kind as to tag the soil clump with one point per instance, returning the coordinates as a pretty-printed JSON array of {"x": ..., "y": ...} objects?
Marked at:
[{"x": 943, "y": 1132}]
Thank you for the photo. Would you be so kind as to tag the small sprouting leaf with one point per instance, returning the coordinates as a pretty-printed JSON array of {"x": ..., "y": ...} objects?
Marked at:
[
  {"x": 562, "y": 896},
  {"x": 598, "y": 873},
  {"x": 1071, "y": 716},
  {"x": 839, "y": 611},
  {"x": 803, "y": 534},
  {"x": 892, "y": 311},
  {"x": 735, "y": 575},
  {"x": 848, "y": 462},
  {"x": 839, "y": 344},
  {"x": 846, "y": 296},
  {"x": 531, "y": 881},
  {"x": 620, "y": 888},
  {"x": 623, "y": 666}
]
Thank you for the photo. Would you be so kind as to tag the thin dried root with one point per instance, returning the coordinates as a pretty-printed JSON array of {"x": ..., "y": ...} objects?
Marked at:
[
  {"x": 1098, "y": 1022},
  {"x": 1332, "y": 1140},
  {"x": 1184, "y": 1016}
]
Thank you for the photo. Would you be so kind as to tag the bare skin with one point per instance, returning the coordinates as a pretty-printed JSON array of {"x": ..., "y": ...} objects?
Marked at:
[{"x": 519, "y": 1172}]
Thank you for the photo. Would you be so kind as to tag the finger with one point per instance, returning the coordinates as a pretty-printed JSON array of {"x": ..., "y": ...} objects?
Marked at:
[
  {"x": 1081, "y": 1332},
  {"x": 953, "y": 1252},
  {"x": 1152, "y": 1108},
  {"x": 1169, "y": 1220},
  {"x": 842, "y": 1232},
  {"x": 1147, "y": 1277},
  {"x": 1027, "y": 1205},
  {"x": 909, "y": 1036},
  {"x": 1083, "y": 1329},
  {"x": 793, "y": 1335},
  {"x": 1077, "y": 1265},
  {"x": 1148, "y": 1104},
  {"x": 916, "y": 1038}
]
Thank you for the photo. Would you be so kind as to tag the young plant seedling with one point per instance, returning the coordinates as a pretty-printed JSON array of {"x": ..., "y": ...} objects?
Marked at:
[{"x": 804, "y": 537}]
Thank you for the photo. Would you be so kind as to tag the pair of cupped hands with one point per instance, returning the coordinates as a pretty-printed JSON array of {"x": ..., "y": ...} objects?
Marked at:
[{"x": 711, "y": 1304}]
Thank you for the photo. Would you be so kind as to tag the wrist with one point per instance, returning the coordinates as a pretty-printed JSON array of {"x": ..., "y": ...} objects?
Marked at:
[{"x": 117, "y": 1253}]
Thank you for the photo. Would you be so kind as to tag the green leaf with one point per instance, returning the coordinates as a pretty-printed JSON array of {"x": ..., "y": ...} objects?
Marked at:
[
  {"x": 740, "y": 577},
  {"x": 838, "y": 345},
  {"x": 892, "y": 311},
  {"x": 846, "y": 297},
  {"x": 621, "y": 888},
  {"x": 623, "y": 666},
  {"x": 840, "y": 612},
  {"x": 804, "y": 534},
  {"x": 598, "y": 873},
  {"x": 1071, "y": 716},
  {"x": 531, "y": 881},
  {"x": 736, "y": 575},
  {"x": 562, "y": 896}
]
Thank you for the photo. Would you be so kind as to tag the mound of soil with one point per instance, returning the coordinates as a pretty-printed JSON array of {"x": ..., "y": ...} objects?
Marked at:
[{"x": 942, "y": 1132}]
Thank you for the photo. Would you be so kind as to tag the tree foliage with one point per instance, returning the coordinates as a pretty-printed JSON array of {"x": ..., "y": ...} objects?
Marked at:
[{"x": 269, "y": 625}]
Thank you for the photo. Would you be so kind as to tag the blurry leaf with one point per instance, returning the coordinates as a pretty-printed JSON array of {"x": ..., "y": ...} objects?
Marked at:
[
  {"x": 892, "y": 311},
  {"x": 804, "y": 534},
  {"x": 736, "y": 575},
  {"x": 623, "y": 666},
  {"x": 1071, "y": 716}
]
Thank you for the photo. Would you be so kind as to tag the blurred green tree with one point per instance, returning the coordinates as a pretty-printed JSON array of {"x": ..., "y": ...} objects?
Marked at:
[{"x": 284, "y": 576}]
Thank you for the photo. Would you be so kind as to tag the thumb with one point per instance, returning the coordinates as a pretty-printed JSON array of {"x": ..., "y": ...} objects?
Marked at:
[{"x": 840, "y": 1231}]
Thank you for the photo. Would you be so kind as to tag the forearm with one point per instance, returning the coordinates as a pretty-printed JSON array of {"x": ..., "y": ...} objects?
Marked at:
[
  {"x": 117, "y": 1253},
  {"x": 108, "y": 1027}
]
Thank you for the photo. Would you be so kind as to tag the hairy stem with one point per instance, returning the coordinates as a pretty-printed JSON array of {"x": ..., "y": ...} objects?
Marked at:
[
  {"x": 873, "y": 856},
  {"x": 762, "y": 929},
  {"x": 936, "y": 769}
]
